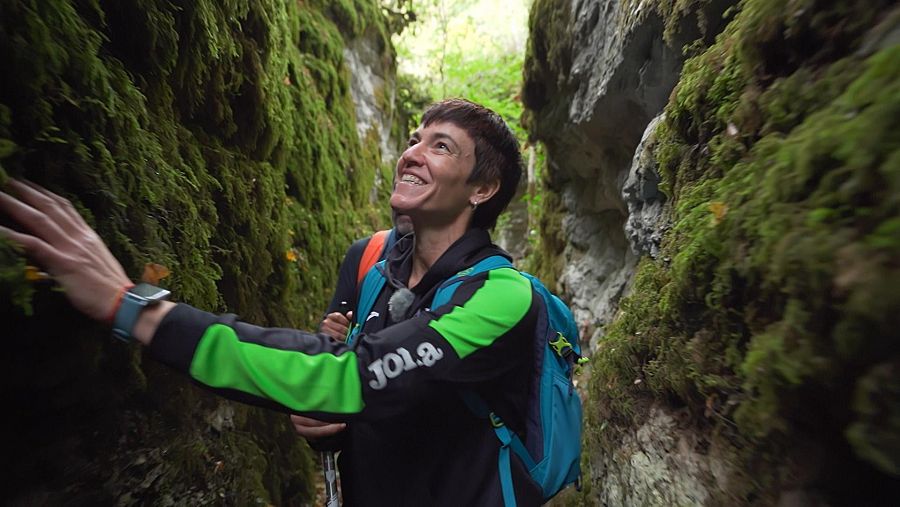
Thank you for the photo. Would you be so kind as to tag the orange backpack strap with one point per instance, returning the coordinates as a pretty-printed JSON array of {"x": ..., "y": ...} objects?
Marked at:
[{"x": 371, "y": 254}]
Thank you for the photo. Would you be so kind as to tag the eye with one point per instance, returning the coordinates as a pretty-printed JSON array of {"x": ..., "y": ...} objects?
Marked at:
[
  {"x": 442, "y": 146},
  {"x": 412, "y": 141}
]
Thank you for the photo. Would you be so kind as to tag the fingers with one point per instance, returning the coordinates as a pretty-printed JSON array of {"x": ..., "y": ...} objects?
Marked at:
[
  {"x": 307, "y": 421},
  {"x": 31, "y": 218},
  {"x": 70, "y": 221},
  {"x": 58, "y": 205},
  {"x": 335, "y": 325},
  {"x": 57, "y": 222},
  {"x": 331, "y": 332},
  {"x": 64, "y": 223},
  {"x": 37, "y": 248},
  {"x": 339, "y": 318},
  {"x": 313, "y": 428},
  {"x": 35, "y": 196},
  {"x": 66, "y": 247}
]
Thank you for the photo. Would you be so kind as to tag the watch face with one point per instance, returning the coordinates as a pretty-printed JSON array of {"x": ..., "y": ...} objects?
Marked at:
[{"x": 147, "y": 291}]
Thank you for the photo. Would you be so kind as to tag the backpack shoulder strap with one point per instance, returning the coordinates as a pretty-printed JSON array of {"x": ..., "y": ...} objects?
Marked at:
[
  {"x": 509, "y": 441},
  {"x": 392, "y": 238},
  {"x": 372, "y": 254},
  {"x": 372, "y": 284},
  {"x": 448, "y": 287}
]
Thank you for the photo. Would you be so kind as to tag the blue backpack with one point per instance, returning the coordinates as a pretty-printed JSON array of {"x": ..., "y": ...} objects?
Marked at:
[{"x": 551, "y": 449}]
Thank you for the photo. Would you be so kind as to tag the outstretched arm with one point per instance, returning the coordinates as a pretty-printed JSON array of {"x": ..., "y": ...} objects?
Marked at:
[
  {"x": 475, "y": 337},
  {"x": 58, "y": 238}
]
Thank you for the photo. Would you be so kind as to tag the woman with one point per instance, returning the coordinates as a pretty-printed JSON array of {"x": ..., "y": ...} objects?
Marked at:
[{"x": 411, "y": 439}]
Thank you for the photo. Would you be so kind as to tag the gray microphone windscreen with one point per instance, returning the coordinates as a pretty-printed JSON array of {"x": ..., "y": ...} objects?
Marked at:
[{"x": 399, "y": 304}]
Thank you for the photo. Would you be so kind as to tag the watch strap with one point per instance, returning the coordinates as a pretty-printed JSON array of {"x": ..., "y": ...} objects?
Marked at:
[{"x": 127, "y": 315}]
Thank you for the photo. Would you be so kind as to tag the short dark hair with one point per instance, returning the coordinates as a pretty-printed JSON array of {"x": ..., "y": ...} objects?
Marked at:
[{"x": 497, "y": 154}]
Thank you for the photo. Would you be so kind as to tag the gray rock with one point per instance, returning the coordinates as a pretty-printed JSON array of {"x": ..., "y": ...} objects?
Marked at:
[
  {"x": 599, "y": 265},
  {"x": 645, "y": 224},
  {"x": 222, "y": 417},
  {"x": 621, "y": 76},
  {"x": 372, "y": 75},
  {"x": 660, "y": 463},
  {"x": 598, "y": 128},
  {"x": 512, "y": 234},
  {"x": 514, "y": 226},
  {"x": 621, "y": 62}
]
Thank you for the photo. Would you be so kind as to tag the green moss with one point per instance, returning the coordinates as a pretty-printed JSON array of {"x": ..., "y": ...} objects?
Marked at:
[
  {"x": 770, "y": 249},
  {"x": 672, "y": 13},
  {"x": 548, "y": 55},
  {"x": 770, "y": 312},
  {"x": 12, "y": 288},
  {"x": 545, "y": 213},
  {"x": 874, "y": 434},
  {"x": 215, "y": 138}
]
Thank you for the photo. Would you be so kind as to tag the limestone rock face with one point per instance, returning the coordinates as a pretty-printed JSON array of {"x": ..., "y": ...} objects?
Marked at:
[
  {"x": 514, "y": 229},
  {"x": 621, "y": 74},
  {"x": 660, "y": 464},
  {"x": 645, "y": 201},
  {"x": 751, "y": 361},
  {"x": 597, "y": 119},
  {"x": 372, "y": 70},
  {"x": 512, "y": 232}
]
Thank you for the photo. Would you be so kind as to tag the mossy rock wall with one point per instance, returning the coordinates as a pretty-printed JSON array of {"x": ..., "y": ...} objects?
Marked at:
[
  {"x": 216, "y": 138},
  {"x": 768, "y": 323}
]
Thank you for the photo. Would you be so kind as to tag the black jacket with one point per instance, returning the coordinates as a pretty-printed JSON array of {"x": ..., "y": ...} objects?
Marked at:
[{"x": 411, "y": 440}]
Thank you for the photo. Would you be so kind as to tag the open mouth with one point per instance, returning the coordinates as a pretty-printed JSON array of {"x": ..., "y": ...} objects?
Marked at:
[{"x": 412, "y": 179}]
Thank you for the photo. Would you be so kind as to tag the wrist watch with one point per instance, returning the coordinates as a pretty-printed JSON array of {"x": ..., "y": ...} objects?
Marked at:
[{"x": 142, "y": 295}]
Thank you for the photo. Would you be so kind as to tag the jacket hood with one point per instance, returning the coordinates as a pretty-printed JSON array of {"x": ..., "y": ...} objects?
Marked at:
[{"x": 472, "y": 247}]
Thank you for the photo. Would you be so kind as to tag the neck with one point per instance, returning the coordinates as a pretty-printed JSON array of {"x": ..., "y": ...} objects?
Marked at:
[{"x": 430, "y": 245}]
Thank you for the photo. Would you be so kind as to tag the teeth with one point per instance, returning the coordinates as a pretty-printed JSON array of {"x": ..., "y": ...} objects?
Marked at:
[{"x": 411, "y": 179}]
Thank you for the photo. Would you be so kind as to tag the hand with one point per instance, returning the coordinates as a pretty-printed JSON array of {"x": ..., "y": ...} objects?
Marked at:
[
  {"x": 60, "y": 241},
  {"x": 336, "y": 325},
  {"x": 314, "y": 429}
]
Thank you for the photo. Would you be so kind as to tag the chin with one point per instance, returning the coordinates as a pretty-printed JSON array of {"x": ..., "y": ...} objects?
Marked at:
[{"x": 400, "y": 204}]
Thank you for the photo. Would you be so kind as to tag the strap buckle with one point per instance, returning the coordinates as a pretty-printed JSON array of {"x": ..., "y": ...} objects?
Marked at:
[
  {"x": 564, "y": 349},
  {"x": 561, "y": 345}
]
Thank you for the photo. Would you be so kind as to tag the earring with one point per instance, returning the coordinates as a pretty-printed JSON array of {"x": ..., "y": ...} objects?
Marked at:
[{"x": 474, "y": 205}]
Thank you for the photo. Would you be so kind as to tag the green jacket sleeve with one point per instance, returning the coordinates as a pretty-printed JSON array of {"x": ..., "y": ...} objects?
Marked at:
[{"x": 475, "y": 337}]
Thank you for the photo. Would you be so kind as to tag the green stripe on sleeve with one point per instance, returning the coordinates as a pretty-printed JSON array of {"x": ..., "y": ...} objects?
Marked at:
[
  {"x": 492, "y": 311},
  {"x": 302, "y": 382}
]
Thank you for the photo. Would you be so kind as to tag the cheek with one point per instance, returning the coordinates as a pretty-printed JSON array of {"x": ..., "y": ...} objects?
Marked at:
[{"x": 458, "y": 185}]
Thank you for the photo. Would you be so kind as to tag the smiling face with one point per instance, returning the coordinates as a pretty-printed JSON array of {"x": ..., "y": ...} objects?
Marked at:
[{"x": 432, "y": 177}]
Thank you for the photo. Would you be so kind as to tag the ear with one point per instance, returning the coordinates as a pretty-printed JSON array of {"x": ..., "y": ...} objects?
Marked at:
[{"x": 482, "y": 192}]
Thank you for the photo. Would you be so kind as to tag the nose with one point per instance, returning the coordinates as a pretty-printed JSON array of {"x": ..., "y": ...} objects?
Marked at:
[{"x": 412, "y": 155}]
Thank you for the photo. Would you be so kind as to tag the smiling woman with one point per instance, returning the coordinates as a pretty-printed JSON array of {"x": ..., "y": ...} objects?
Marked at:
[
  {"x": 491, "y": 154},
  {"x": 397, "y": 386},
  {"x": 434, "y": 188}
]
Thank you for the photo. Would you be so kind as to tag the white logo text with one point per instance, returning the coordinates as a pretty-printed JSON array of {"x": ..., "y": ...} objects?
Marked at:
[{"x": 394, "y": 363}]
